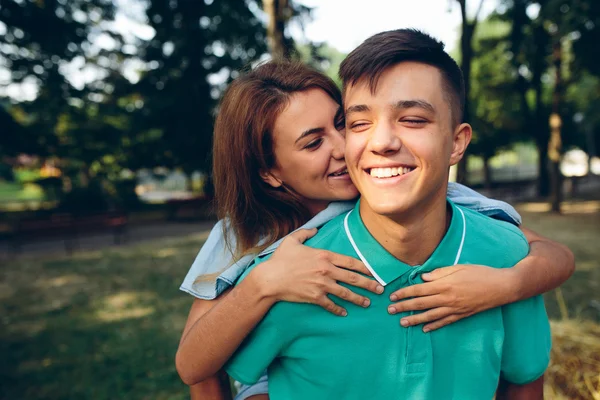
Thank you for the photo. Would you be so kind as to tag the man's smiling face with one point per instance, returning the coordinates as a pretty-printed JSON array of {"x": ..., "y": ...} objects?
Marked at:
[{"x": 400, "y": 138}]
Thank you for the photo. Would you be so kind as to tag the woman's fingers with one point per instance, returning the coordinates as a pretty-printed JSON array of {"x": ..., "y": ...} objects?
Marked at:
[
  {"x": 355, "y": 279},
  {"x": 302, "y": 235},
  {"x": 417, "y": 304},
  {"x": 440, "y": 323},
  {"x": 441, "y": 273},
  {"x": 346, "y": 262},
  {"x": 428, "y": 316},
  {"x": 330, "y": 306},
  {"x": 346, "y": 294},
  {"x": 421, "y": 289}
]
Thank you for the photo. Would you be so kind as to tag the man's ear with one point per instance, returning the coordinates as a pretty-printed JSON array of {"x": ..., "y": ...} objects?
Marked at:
[
  {"x": 271, "y": 178},
  {"x": 460, "y": 140}
]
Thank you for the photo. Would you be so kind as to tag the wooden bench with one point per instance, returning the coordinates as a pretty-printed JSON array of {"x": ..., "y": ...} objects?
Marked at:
[
  {"x": 69, "y": 228},
  {"x": 198, "y": 207}
]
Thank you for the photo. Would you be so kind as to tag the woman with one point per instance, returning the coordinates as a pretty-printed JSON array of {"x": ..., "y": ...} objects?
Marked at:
[{"x": 278, "y": 162}]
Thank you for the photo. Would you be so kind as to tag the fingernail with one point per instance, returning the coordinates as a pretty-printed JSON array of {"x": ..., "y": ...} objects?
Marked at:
[
  {"x": 391, "y": 310},
  {"x": 366, "y": 303},
  {"x": 393, "y": 297},
  {"x": 403, "y": 322},
  {"x": 426, "y": 276},
  {"x": 426, "y": 330},
  {"x": 379, "y": 289},
  {"x": 344, "y": 313}
]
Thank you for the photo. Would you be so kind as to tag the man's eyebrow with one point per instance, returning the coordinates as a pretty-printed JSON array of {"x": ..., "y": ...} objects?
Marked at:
[
  {"x": 309, "y": 132},
  {"x": 404, "y": 104},
  {"x": 357, "y": 108}
]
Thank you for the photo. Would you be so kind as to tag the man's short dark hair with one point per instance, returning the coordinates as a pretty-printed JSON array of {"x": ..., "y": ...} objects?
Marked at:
[{"x": 386, "y": 49}]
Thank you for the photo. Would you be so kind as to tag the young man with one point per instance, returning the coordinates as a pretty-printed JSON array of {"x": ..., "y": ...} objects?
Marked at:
[{"x": 403, "y": 98}]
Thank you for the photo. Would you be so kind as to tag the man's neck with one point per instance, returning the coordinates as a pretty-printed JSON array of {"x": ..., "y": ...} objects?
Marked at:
[{"x": 413, "y": 236}]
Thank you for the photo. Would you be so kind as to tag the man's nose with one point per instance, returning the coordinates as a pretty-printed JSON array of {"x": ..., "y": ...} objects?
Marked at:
[{"x": 384, "y": 139}]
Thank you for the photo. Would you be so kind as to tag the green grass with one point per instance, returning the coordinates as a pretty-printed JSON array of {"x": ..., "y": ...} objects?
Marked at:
[
  {"x": 579, "y": 229},
  {"x": 100, "y": 325},
  {"x": 106, "y": 325}
]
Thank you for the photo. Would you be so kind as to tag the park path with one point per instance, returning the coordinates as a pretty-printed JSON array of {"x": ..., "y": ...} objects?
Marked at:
[
  {"x": 141, "y": 232},
  {"x": 136, "y": 233}
]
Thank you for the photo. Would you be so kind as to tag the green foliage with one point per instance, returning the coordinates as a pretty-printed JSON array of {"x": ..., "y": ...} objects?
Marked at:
[
  {"x": 324, "y": 58},
  {"x": 194, "y": 42}
]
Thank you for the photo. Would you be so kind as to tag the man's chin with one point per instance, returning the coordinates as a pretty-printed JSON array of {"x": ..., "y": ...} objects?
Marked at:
[{"x": 387, "y": 208}]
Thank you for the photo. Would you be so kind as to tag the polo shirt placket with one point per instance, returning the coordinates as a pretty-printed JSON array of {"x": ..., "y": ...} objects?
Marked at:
[{"x": 385, "y": 268}]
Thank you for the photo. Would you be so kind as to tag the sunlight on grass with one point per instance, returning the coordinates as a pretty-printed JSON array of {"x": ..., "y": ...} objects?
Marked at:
[
  {"x": 60, "y": 281},
  {"x": 163, "y": 253},
  {"x": 583, "y": 207},
  {"x": 125, "y": 305}
]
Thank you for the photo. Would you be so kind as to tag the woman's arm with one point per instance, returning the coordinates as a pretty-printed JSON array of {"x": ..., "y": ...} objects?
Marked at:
[
  {"x": 453, "y": 293},
  {"x": 529, "y": 391},
  {"x": 294, "y": 273},
  {"x": 215, "y": 387}
]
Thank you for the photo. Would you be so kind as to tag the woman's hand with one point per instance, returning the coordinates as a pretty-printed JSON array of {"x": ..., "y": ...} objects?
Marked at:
[
  {"x": 300, "y": 274},
  {"x": 453, "y": 293}
]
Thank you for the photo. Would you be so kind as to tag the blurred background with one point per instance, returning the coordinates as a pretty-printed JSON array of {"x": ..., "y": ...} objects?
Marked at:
[{"x": 106, "y": 112}]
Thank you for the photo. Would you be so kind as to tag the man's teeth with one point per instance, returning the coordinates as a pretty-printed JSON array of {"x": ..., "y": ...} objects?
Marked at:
[
  {"x": 343, "y": 172},
  {"x": 389, "y": 172}
]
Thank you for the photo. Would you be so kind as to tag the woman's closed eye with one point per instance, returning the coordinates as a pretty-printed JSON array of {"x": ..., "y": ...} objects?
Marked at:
[{"x": 314, "y": 144}]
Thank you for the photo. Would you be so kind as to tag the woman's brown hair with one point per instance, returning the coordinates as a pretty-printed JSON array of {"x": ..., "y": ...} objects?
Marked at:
[{"x": 256, "y": 213}]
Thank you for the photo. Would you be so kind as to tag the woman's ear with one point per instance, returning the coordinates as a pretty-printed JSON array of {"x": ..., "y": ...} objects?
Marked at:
[{"x": 270, "y": 178}]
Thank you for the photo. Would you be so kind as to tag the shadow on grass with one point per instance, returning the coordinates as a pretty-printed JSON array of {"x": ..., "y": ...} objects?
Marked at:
[{"x": 99, "y": 326}]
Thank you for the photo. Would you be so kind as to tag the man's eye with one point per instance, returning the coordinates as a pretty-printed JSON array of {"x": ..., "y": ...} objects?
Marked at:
[
  {"x": 358, "y": 125},
  {"x": 412, "y": 121}
]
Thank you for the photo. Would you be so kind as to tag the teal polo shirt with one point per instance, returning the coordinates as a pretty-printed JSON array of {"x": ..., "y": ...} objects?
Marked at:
[{"x": 312, "y": 354}]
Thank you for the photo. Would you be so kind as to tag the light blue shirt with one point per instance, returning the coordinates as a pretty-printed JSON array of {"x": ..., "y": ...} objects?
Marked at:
[{"x": 214, "y": 257}]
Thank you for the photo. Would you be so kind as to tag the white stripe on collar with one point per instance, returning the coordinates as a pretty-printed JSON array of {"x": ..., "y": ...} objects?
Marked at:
[
  {"x": 462, "y": 240},
  {"x": 360, "y": 255},
  {"x": 370, "y": 268}
]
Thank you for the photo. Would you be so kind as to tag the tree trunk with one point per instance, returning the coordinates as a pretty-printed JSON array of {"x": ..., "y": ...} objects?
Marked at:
[
  {"x": 487, "y": 172},
  {"x": 555, "y": 143},
  {"x": 543, "y": 184},
  {"x": 278, "y": 12},
  {"x": 539, "y": 125},
  {"x": 466, "y": 48}
]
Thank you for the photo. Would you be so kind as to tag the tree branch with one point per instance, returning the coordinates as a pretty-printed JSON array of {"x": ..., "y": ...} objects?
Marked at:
[{"x": 476, "y": 19}]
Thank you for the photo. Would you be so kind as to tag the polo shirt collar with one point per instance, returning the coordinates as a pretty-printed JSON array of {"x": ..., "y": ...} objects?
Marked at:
[{"x": 387, "y": 268}]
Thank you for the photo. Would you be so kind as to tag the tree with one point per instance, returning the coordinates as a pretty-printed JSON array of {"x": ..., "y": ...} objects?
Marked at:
[
  {"x": 279, "y": 14},
  {"x": 197, "y": 48},
  {"x": 466, "y": 50},
  {"x": 495, "y": 112},
  {"x": 41, "y": 39}
]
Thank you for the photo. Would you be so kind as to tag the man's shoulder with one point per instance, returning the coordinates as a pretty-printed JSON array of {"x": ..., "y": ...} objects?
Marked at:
[
  {"x": 494, "y": 237},
  {"x": 481, "y": 223},
  {"x": 330, "y": 234}
]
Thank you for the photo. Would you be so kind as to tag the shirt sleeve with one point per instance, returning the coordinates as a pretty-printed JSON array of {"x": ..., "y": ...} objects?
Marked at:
[
  {"x": 527, "y": 337},
  {"x": 469, "y": 198},
  {"x": 527, "y": 341},
  {"x": 266, "y": 342},
  {"x": 213, "y": 258}
]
